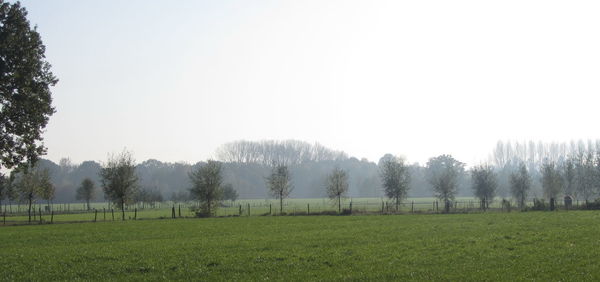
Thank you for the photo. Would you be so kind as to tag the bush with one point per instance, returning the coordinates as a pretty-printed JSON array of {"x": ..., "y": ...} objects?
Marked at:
[{"x": 539, "y": 205}]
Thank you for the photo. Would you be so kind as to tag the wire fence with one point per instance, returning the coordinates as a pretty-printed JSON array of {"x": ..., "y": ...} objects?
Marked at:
[{"x": 77, "y": 212}]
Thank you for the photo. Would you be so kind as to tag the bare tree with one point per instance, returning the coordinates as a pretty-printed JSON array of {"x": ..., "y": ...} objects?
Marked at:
[
  {"x": 337, "y": 186},
  {"x": 86, "y": 191},
  {"x": 119, "y": 180},
  {"x": 484, "y": 183},
  {"x": 395, "y": 178},
  {"x": 520, "y": 184},
  {"x": 443, "y": 174},
  {"x": 279, "y": 184},
  {"x": 207, "y": 187}
]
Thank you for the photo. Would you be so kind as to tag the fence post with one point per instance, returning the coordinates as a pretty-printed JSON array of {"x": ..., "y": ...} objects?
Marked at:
[
  {"x": 248, "y": 209},
  {"x": 134, "y": 213},
  {"x": 308, "y": 209},
  {"x": 240, "y": 210},
  {"x": 173, "y": 212},
  {"x": 104, "y": 213},
  {"x": 95, "y": 215},
  {"x": 4, "y": 218},
  {"x": 179, "y": 210},
  {"x": 112, "y": 211},
  {"x": 270, "y": 205},
  {"x": 412, "y": 207},
  {"x": 52, "y": 217},
  {"x": 40, "y": 214}
]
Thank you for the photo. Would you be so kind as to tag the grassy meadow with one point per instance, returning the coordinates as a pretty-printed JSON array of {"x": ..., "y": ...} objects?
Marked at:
[{"x": 482, "y": 246}]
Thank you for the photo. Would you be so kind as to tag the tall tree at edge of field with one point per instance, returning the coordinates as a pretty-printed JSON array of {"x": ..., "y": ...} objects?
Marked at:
[
  {"x": 484, "y": 183},
  {"x": 443, "y": 173},
  {"x": 25, "y": 81},
  {"x": 520, "y": 183},
  {"x": 395, "y": 178},
  {"x": 337, "y": 186},
  {"x": 86, "y": 191},
  {"x": 280, "y": 184},
  {"x": 207, "y": 187},
  {"x": 119, "y": 180}
]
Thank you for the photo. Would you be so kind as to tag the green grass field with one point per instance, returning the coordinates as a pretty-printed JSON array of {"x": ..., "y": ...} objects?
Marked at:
[{"x": 485, "y": 246}]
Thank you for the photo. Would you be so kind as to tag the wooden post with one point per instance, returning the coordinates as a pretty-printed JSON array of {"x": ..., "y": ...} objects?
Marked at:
[
  {"x": 52, "y": 217},
  {"x": 270, "y": 209},
  {"x": 134, "y": 213},
  {"x": 179, "y": 210},
  {"x": 4, "y": 218},
  {"x": 95, "y": 215},
  {"x": 382, "y": 207},
  {"x": 104, "y": 213},
  {"x": 40, "y": 214},
  {"x": 248, "y": 209},
  {"x": 173, "y": 212},
  {"x": 240, "y": 210},
  {"x": 308, "y": 209},
  {"x": 412, "y": 207},
  {"x": 112, "y": 211}
]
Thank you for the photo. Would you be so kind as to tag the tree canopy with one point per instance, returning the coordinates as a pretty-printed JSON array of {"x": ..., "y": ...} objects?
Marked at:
[{"x": 25, "y": 81}]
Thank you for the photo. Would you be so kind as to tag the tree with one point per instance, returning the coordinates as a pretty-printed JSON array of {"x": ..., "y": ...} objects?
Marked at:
[
  {"x": 207, "y": 187},
  {"x": 395, "y": 178},
  {"x": 119, "y": 180},
  {"x": 3, "y": 190},
  {"x": 484, "y": 183},
  {"x": 520, "y": 183},
  {"x": 443, "y": 173},
  {"x": 28, "y": 186},
  {"x": 86, "y": 191},
  {"x": 279, "y": 184},
  {"x": 337, "y": 186},
  {"x": 46, "y": 189},
  {"x": 569, "y": 174},
  {"x": 552, "y": 181},
  {"x": 229, "y": 193},
  {"x": 25, "y": 81}
]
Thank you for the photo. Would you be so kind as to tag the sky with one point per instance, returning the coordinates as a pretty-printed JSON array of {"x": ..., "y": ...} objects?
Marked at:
[{"x": 173, "y": 80}]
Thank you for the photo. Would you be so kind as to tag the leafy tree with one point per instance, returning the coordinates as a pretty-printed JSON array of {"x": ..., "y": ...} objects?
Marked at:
[
  {"x": 395, "y": 178},
  {"x": 229, "y": 193},
  {"x": 552, "y": 181},
  {"x": 207, "y": 187},
  {"x": 25, "y": 81},
  {"x": 484, "y": 183},
  {"x": 119, "y": 180},
  {"x": 569, "y": 176},
  {"x": 45, "y": 186},
  {"x": 443, "y": 173},
  {"x": 86, "y": 191},
  {"x": 279, "y": 184},
  {"x": 520, "y": 183},
  {"x": 337, "y": 186},
  {"x": 28, "y": 185}
]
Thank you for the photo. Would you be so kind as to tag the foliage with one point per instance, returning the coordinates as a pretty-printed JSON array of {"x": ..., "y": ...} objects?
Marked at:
[
  {"x": 484, "y": 183},
  {"x": 25, "y": 81},
  {"x": 229, "y": 193},
  {"x": 86, "y": 191},
  {"x": 337, "y": 186},
  {"x": 207, "y": 187},
  {"x": 279, "y": 184},
  {"x": 552, "y": 180},
  {"x": 444, "y": 173},
  {"x": 119, "y": 180},
  {"x": 395, "y": 178},
  {"x": 520, "y": 182}
]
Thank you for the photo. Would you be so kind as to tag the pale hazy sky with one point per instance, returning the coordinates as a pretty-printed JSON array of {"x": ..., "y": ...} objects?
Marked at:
[{"x": 173, "y": 80}]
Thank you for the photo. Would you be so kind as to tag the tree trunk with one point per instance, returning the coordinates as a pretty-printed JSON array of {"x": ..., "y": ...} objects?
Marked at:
[
  {"x": 339, "y": 204},
  {"x": 29, "y": 210},
  {"x": 280, "y": 203},
  {"x": 88, "y": 204},
  {"x": 397, "y": 202},
  {"x": 123, "y": 210}
]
